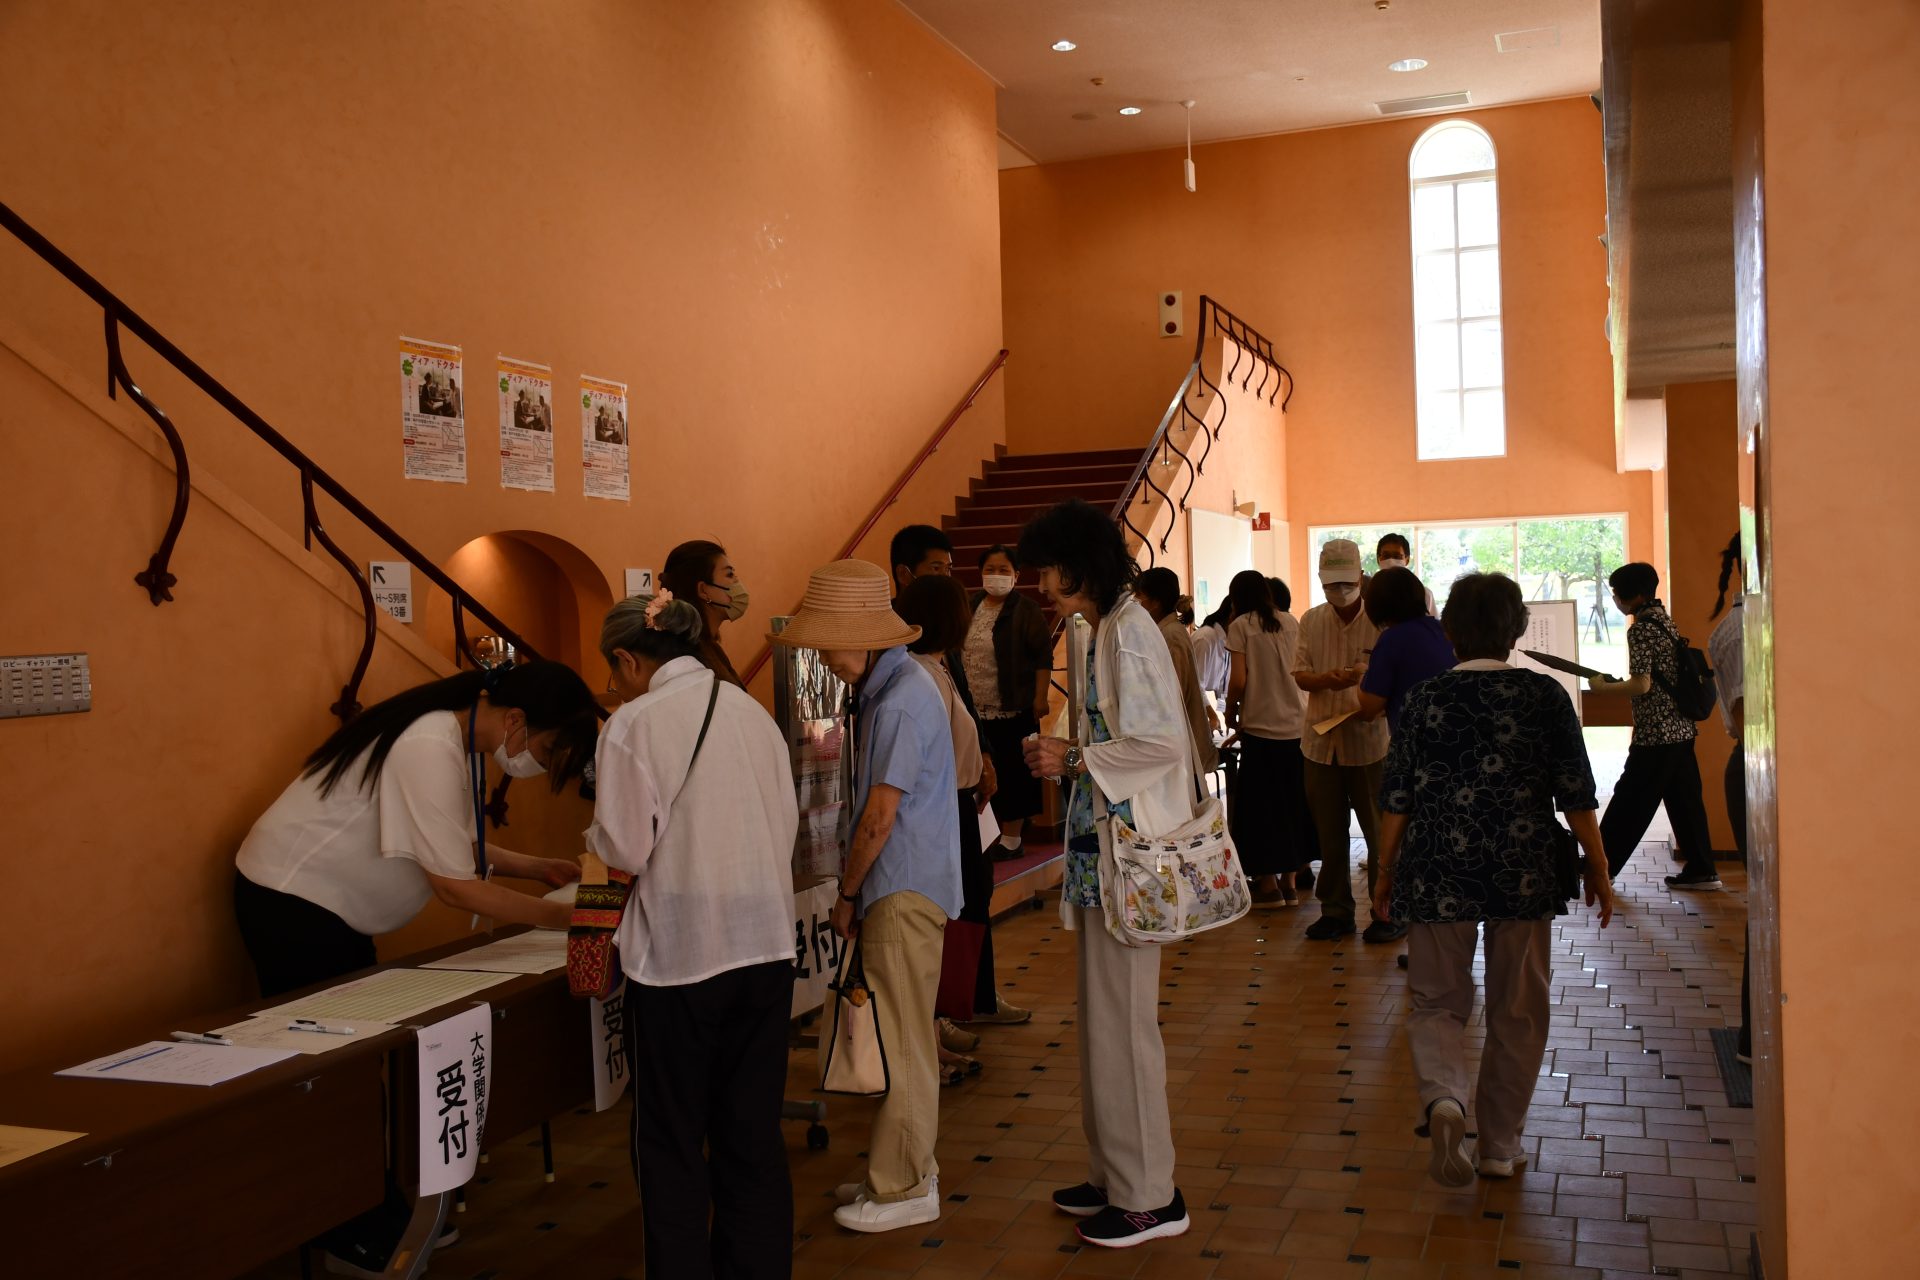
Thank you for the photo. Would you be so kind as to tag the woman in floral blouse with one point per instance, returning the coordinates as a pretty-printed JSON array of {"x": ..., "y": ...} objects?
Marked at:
[
  {"x": 1133, "y": 759},
  {"x": 1484, "y": 754}
]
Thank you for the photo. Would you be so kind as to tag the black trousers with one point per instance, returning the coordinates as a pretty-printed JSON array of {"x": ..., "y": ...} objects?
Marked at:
[
  {"x": 1267, "y": 809},
  {"x": 1735, "y": 783},
  {"x": 1667, "y": 773},
  {"x": 292, "y": 942},
  {"x": 709, "y": 1067},
  {"x": 976, "y": 891}
]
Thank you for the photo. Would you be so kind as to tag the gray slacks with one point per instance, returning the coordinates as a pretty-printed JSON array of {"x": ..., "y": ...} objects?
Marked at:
[
  {"x": 1332, "y": 791},
  {"x": 1123, "y": 1069},
  {"x": 1440, "y": 984}
]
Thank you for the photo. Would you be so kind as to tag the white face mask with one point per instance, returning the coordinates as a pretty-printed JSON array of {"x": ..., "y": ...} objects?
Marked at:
[
  {"x": 519, "y": 765},
  {"x": 1342, "y": 594},
  {"x": 997, "y": 584},
  {"x": 1392, "y": 562}
]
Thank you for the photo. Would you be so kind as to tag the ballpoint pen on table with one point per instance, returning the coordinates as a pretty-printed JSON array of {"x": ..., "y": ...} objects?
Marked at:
[{"x": 320, "y": 1028}]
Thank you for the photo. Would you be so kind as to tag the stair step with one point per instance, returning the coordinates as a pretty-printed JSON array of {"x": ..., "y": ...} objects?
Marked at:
[
  {"x": 1089, "y": 458},
  {"x": 1030, "y": 476},
  {"x": 1105, "y": 492}
]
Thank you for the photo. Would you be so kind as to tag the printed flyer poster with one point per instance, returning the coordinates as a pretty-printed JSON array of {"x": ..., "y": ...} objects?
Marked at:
[
  {"x": 603, "y": 437},
  {"x": 526, "y": 425},
  {"x": 433, "y": 416}
]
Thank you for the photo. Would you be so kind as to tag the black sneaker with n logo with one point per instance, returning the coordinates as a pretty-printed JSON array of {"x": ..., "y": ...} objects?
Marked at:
[{"x": 1117, "y": 1228}]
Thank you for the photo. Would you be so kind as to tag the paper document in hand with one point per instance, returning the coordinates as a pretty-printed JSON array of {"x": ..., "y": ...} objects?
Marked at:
[
  {"x": 535, "y": 951},
  {"x": 1329, "y": 725},
  {"x": 271, "y": 1032},
  {"x": 159, "y": 1062},
  {"x": 392, "y": 995},
  {"x": 1562, "y": 664},
  {"x": 18, "y": 1144}
]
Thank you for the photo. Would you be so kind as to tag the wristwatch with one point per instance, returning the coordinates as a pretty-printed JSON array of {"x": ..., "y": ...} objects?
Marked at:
[
  {"x": 850, "y": 897},
  {"x": 1074, "y": 757}
]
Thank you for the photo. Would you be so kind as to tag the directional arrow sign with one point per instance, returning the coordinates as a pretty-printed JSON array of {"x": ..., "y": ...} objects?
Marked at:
[{"x": 393, "y": 587}]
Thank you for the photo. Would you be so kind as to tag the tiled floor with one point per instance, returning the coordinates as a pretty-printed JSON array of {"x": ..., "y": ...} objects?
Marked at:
[{"x": 1293, "y": 1112}]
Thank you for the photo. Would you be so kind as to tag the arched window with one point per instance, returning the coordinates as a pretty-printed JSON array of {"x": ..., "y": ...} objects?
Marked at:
[{"x": 1456, "y": 294}]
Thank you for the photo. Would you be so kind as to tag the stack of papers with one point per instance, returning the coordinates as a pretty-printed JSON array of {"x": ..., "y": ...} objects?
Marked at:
[
  {"x": 391, "y": 996},
  {"x": 535, "y": 951},
  {"x": 161, "y": 1062},
  {"x": 272, "y": 1032}
]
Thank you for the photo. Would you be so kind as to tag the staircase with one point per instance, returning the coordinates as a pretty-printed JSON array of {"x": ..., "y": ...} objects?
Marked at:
[{"x": 1016, "y": 487}]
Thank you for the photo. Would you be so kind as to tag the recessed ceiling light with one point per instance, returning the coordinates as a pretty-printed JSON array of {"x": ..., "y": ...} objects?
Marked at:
[
  {"x": 1064, "y": 46},
  {"x": 1129, "y": 111},
  {"x": 1407, "y": 64}
]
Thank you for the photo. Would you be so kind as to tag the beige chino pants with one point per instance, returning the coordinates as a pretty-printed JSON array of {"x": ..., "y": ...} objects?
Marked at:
[
  {"x": 1519, "y": 1012},
  {"x": 900, "y": 944},
  {"x": 1123, "y": 1069}
]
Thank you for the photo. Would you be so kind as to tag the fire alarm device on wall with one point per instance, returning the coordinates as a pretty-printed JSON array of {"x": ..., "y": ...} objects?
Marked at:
[{"x": 1172, "y": 315}]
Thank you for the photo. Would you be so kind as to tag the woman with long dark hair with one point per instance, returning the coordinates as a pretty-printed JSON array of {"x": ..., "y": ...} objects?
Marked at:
[
  {"x": 1271, "y": 824},
  {"x": 1007, "y": 658},
  {"x": 383, "y": 818},
  {"x": 699, "y": 571},
  {"x": 1726, "y": 649},
  {"x": 1132, "y": 760}
]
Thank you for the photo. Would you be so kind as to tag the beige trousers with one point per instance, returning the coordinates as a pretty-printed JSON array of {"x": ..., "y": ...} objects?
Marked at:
[
  {"x": 1123, "y": 1069},
  {"x": 900, "y": 944},
  {"x": 1519, "y": 1011}
]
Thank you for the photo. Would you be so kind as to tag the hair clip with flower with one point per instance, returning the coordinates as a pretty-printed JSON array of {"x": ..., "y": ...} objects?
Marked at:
[{"x": 661, "y": 599}]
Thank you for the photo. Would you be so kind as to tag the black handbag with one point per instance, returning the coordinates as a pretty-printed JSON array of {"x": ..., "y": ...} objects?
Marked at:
[{"x": 1566, "y": 864}]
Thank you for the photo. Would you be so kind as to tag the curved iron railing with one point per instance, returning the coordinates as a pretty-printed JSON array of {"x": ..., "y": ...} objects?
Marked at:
[
  {"x": 1251, "y": 348},
  {"x": 157, "y": 578}
]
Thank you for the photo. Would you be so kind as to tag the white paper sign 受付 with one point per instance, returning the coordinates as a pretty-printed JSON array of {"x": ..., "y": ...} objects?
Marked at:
[
  {"x": 817, "y": 949},
  {"x": 433, "y": 414},
  {"x": 454, "y": 1071},
  {"x": 606, "y": 1019},
  {"x": 392, "y": 583}
]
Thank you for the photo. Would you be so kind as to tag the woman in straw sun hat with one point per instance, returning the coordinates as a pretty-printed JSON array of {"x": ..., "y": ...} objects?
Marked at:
[{"x": 901, "y": 882}]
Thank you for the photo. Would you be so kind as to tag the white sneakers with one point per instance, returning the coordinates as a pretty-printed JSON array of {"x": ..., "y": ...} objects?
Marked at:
[
  {"x": 857, "y": 1213},
  {"x": 1447, "y": 1125},
  {"x": 1490, "y": 1167}
]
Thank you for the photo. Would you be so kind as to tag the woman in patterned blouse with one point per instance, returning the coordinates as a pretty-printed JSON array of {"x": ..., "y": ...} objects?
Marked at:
[{"x": 1484, "y": 754}]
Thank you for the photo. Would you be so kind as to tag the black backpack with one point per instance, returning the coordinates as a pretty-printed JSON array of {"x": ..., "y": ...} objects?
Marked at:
[{"x": 1693, "y": 691}]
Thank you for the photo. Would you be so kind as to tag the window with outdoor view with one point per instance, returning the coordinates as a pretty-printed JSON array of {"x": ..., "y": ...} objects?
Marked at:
[
  {"x": 1552, "y": 558},
  {"x": 1458, "y": 366}
]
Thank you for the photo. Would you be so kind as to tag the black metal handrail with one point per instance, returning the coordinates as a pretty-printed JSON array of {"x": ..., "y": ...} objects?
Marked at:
[
  {"x": 1253, "y": 349},
  {"x": 157, "y": 578}
]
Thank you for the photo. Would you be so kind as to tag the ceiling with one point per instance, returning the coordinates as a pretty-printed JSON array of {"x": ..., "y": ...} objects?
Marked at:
[{"x": 1251, "y": 67}]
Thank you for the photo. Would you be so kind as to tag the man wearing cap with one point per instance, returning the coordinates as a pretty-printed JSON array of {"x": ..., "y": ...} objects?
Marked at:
[
  {"x": 901, "y": 882},
  {"x": 1344, "y": 763}
]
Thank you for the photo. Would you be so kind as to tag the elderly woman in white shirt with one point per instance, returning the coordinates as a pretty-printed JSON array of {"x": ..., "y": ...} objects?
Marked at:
[
  {"x": 1133, "y": 759},
  {"x": 695, "y": 797}
]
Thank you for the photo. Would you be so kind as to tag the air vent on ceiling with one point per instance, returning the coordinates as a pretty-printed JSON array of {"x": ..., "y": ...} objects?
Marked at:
[
  {"x": 1533, "y": 38},
  {"x": 1432, "y": 102}
]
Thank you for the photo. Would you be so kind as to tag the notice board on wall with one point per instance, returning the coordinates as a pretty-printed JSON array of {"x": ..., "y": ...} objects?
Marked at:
[{"x": 1553, "y": 626}]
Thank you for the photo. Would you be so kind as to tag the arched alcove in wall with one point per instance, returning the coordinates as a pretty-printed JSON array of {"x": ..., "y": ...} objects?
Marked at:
[{"x": 545, "y": 588}]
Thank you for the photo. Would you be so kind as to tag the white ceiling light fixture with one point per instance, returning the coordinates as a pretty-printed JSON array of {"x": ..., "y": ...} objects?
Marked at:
[
  {"x": 1064, "y": 46},
  {"x": 1407, "y": 64},
  {"x": 1192, "y": 183},
  {"x": 1129, "y": 111}
]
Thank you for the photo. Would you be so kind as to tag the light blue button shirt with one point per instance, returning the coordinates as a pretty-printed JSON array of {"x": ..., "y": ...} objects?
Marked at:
[{"x": 906, "y": 741}]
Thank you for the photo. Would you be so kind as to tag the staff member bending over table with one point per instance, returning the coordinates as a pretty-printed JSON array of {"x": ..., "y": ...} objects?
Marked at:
[{"x": 382, "y": 818}]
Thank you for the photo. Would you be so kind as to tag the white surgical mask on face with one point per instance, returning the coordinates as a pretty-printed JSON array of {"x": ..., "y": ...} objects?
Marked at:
[
  {"x": 997, "y": 584},
  {"x": 521, "y": 764},
  {"x": 1392, "y": 562},
  {"x": 1342, "y": 593}
]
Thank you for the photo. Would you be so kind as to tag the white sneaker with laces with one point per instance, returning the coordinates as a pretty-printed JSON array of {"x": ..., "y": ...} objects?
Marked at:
[
  {"x": 874, "y": 1215},
  {"x": 850, "y": 1193},
  {"x": 1492, "y": 1167},
  {"x": 1447, "y": 1126}
]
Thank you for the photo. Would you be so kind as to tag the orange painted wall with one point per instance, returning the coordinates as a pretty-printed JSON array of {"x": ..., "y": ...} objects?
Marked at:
[
  {"x": 1703, "y": 511},
  {"x": 1306, "y": 236},
  {"x": 1832, "y": 751},
  {"x": 727, "y": 205}
]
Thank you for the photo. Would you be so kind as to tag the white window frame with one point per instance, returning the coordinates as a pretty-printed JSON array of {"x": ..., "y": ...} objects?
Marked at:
[
  {"x": 1411, "y": 530},
  {"x": 1460, "y": 321}
]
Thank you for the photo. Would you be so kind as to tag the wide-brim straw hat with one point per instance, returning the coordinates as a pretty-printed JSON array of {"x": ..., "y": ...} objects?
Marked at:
[{"x": 849, "y": 605}]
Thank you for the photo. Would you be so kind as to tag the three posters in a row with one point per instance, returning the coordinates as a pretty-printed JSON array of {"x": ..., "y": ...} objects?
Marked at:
[{"x": 433, "y": 423}]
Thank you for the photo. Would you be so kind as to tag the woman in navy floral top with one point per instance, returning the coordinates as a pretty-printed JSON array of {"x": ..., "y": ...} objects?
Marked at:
[{"x": 1483, "y": 756}]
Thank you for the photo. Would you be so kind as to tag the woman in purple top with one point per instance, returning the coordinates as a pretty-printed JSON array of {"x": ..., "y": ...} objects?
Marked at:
[{"x": 1412, "y": 647}]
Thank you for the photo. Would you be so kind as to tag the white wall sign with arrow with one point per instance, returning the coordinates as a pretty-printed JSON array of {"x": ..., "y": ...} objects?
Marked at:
[{"x": 392, "y": 587}]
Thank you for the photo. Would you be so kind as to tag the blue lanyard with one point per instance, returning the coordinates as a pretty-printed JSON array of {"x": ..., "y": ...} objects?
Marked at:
[{"x": 477, "y": 775}]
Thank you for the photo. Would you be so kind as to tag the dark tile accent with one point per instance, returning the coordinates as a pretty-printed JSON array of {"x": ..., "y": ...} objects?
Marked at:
[
  {"x": 1211, "y": 1253},
  {"x": 1494, "y": 1215},
  {"x": 1509, "y": 1264},
  {"x": 931, "y": 1243},
  {"x": 959, "y": 1197},
  {"x": 983, "y": 1159},
  {"x": 596, "y": 1186},
  {"x": 1350, "y": 1168},
  {"x": 546, "y": 1226},
  {"x": 1217, "y": 1207},
  {"x": 1349, "y": 1133},
  {"x": 1004, "y": 1124},
  {"x": 1359, "y": 1257},
  {"x": 1023, "y": 1094},
  {"x": 1353, "y": 1209}
]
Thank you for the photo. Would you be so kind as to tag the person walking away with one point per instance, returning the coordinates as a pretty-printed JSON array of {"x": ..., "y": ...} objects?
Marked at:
[
  {"x": 694, "y": 796},
  {"x": 1343, "y": 761},
  {"x": 1158, "y": 592},
  {"x": 1271, "y": 823},
  {"x": 1484, "y": 754},
  {"x": 1661, "y": 766},
  {"x": 901, "y": 882},
  {"x": 1131, "y": 760}
]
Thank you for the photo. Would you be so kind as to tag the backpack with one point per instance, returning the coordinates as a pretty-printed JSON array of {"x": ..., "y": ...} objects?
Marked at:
[{"x": 1693, "y": 690}]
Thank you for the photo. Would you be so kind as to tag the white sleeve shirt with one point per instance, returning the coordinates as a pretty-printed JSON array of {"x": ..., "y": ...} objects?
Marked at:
[
  {"x": 361, "y": 852},
  {"x": 710, "y": 851}
]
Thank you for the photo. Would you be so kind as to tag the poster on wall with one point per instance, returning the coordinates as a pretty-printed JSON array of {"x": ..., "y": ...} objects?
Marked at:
[
  {"x": 433, "y": 416},
  {"x": 603, "y": 438},
  {"x": 526, "y": 425}
]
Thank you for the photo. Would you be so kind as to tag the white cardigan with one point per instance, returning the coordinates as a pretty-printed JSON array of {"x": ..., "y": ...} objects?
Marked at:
[{"x": 1149, "y": 759}]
